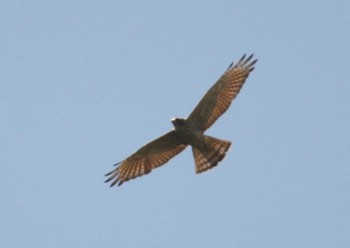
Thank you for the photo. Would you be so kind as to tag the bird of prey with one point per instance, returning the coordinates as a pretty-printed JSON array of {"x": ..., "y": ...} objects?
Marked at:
[{"x": 207, "y": 151}]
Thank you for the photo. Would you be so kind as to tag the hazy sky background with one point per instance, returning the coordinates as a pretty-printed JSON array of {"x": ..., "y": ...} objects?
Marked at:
[{"x": 84, "y": 84}]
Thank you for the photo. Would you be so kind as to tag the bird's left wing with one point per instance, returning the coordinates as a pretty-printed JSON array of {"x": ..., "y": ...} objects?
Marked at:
[
  {"x": 148, "y": 157},
  {"x": 219, "y": 97}
]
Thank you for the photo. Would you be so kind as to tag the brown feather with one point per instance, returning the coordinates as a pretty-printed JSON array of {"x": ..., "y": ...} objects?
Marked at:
[
  {"x": 148, "y": 157},
  {"x": 219, "y": 97}
]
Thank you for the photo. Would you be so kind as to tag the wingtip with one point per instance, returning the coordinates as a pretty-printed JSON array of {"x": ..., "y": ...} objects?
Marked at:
[
  {"x": 120, "y": 182},
  {"x": 117, "y": 163},
  {"x": 243, "y": 57},
  {"x": 113, "y": 183},
  {"x": 241, "y": 60},
  {"x": 107, "y": 174},
  {"x": 251, "y": 56},
  {"x": 108, "y": 179},
  {"x": 229, "y": 67},
  {"x": 251, "y": 64}
]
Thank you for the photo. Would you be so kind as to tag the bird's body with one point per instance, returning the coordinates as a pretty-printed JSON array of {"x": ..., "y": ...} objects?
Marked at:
[
  {"x": 187, "y": 132},
  {"x": 207, "y": 151}
]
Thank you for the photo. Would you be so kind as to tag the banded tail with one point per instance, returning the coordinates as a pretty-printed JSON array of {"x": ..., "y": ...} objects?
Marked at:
[{"x": 213, "y": 152}]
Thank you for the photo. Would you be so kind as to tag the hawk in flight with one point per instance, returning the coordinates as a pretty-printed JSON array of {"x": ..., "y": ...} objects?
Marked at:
[{"x": 207, "y": 151}]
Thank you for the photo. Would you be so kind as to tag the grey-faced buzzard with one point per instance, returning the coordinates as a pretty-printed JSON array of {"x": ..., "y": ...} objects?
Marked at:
[{"x": 207, "y": 151}]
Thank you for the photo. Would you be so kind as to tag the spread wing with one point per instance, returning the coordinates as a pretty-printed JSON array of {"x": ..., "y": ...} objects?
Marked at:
[
  {"x": 148, "y": 157},
  {"x": 219, "y": 97}
]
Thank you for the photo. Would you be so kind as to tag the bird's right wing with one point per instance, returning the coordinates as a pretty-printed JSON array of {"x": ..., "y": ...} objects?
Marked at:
[
  {"x": 219, "y": 97},
  {"x": 148, "y": 157}
]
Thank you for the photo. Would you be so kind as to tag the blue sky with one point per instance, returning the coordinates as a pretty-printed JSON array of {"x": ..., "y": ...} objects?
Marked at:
[{"x": 83, "y": 84}]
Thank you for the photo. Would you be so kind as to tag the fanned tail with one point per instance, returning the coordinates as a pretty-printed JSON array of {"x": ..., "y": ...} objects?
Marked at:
[{"x": 213, "y": 152}]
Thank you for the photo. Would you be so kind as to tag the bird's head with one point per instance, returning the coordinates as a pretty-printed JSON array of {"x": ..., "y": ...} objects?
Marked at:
[{"x": 178, "y": 122}]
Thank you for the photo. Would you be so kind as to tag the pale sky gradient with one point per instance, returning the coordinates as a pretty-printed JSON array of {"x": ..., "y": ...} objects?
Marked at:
[{"x": 83, "y": 84}]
